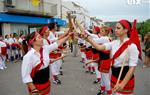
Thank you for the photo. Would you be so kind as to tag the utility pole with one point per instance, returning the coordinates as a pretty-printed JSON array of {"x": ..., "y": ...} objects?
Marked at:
[{"x": 61, "y": 9}]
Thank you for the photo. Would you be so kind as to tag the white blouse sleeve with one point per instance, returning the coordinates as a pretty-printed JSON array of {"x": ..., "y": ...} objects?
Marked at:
[
  {"x": 108, "y": 46},
  {"x": 133, "y": 55},
  {"x": 52, "y": 37},
  {"x": 51, "y": 47},
  {"x": 2, "y": 44},
  {"x": 26, "y": 69},
  {"x": 53, "y": 40},
  {"x": 92, "y": 35},
  {"x": 101, "y": 40}
]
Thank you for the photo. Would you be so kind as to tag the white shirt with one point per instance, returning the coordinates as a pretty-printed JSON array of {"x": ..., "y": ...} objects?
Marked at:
[
  {"x": 20, "y": 40},
  {"x": 45, "y": 42},
  {"x": 11, "y": 41},
  {"x": 81, "y": 41},
  {"x": 133, "y": 53},
  {"x": 52, "y": 37},
  {"x": 6, "y": 41},
  {"x": 87, "y": 44},
  {"x": 60, "y": 32},
  {"x": 102, "y": 40},
  {"x": 32, "y": 59},
  {"x": 92, "y": 35}
]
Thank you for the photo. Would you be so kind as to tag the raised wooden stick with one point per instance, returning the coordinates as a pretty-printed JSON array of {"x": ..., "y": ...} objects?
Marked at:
[
  {"x": 122, "y": 66},
  {"x": 80, "y": 27},
  {"x": 74, "y": 26}
]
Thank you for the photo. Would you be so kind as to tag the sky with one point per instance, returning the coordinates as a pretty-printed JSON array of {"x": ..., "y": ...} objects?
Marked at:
[{"x": 114, "y": 10}]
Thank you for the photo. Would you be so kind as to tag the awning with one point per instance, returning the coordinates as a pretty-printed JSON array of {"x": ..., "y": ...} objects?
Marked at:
[
  {"x": 29, "y": 19},
  {"x": 59, "y": 21}
]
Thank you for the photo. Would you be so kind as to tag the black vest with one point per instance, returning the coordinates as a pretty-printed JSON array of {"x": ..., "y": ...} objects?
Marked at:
[{"x": 41, "y": 76}]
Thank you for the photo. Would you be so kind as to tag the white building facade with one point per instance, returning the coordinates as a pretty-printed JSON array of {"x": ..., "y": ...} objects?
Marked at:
[
  {"x": 18, "y": 16},
  {"x": 77, "y": 10}
]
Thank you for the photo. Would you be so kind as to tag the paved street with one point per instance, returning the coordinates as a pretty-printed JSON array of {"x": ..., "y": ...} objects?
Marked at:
[{"x": 74, "y": 81}]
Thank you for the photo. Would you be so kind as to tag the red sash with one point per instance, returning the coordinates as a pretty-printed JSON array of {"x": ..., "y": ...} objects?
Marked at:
[
  {"x": 54, "y": 55},
  {"x": 36, "y": 68},
  {"x": 13, "y": 44},
  {"x": 59, "y": 54},
  {"x": 106, "y": 51},
  {"x": 48, "y": 41},
  {"x": 18, "y": 46},
  {"x": 96, "y": 56},
  {"x": 60, "y": 47},
  {"x": 105, "y": 66},
  {"x": 120, "y": 51},
  {"x": 44, "y": 89},
  {"x": 89, "y": 54}
]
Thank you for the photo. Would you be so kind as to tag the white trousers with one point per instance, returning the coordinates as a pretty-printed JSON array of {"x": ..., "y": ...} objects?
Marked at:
[
  {"x": 105, "y": 80},
  {"x": 9, "y": 53},
  {"x": 59, "y": 64},
  {"x": 54, "y": 68},
  {"x": 98, "y": 74},
  {"x": 2, "y": 62},
  {"x": 82, "y": 55}
]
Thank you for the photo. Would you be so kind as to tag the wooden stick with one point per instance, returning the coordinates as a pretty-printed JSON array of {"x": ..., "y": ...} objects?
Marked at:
[
  {"x": 35, "y": 94},
  {"x": 122, "y": 65},
  {"x": 91, "y": 61},
  {"x": 65, "y": 51},
  {"x": 58, "y": 58},
  {"x": 75, "y": 28},
  {"x": 80, "y": 27}
]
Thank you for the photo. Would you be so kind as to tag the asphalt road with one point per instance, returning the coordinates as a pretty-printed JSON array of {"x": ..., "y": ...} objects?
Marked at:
[{"x": 74, "y": 81}]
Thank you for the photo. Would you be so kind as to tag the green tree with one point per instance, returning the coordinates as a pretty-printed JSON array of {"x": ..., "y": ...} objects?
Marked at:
[{"x": 144, "y": 27}]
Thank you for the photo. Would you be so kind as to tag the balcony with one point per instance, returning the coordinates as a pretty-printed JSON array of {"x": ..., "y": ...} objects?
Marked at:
[{"x": 26, "y": 7}]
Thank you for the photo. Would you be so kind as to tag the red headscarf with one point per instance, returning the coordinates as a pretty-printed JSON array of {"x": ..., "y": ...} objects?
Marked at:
[
  {"x": 126, "y": 24},
  {"x": 43, "y": 30},
  {"x": 109, "y": 28},
  {"x": 135, "y": 39},
  {"x": 97, "y": 29},
  {"x": 34, "y": 37}
]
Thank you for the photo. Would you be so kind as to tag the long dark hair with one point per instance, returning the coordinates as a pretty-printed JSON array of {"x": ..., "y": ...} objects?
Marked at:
[
  {"x": 25, "y": 42},
  {"x": 51, "y": 25}
]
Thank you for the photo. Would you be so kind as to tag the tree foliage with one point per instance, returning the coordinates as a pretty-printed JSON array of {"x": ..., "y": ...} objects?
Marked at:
[{"x": 144, "y": 27}]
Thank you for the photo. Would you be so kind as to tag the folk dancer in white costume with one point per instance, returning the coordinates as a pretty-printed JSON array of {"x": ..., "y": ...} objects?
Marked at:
[{"x": 123, "y": 50}]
